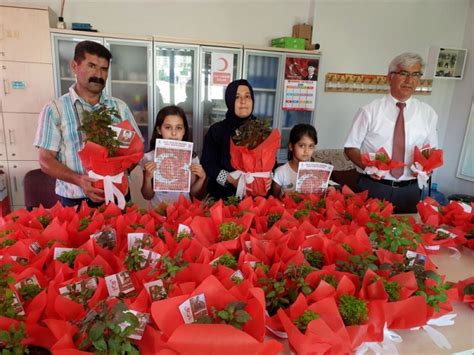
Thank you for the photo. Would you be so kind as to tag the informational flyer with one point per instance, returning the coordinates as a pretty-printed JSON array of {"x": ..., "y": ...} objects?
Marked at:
[
  {"x": 299, "y": 95},
  {"x": 313, "y": 178},
  {"x": 173, "y": 159},
  {"x": 222, "y": 67}
]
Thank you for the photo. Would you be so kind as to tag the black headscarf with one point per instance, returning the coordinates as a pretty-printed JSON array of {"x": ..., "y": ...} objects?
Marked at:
[{"x": 230, "y": 94}]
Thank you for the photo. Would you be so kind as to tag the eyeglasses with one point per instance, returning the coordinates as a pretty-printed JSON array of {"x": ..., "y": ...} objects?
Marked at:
[{"x": 405, "y": 74}]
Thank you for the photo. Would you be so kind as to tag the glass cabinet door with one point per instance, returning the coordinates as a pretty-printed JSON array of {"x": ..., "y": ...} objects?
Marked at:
[
  {"x": 175, "y": 79},
  {"x": 130, "y": 79},
  {"x": 262, "y": 70},
  {"x": 63, "y": 50},
  {"x": 212, "y": 88}
]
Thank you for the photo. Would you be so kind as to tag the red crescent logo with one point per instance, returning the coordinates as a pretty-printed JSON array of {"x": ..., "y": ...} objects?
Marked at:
[{"x": 226, "y": 64}]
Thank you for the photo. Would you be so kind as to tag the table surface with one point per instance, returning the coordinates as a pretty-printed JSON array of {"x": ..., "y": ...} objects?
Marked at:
[{"x": 461, "y": 334}]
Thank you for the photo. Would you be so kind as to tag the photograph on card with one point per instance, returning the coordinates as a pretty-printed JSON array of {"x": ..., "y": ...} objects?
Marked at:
[
  {"x": 173, "y": 160},
  {"x": 156, "y": 290},
  {"x": 124, "y": 136},
  {"x": 193, "y": 308},
  {"x": 313, "y": 178},
  {"x": 106, "y": 238},
  {"x": 120, "y": 284}
]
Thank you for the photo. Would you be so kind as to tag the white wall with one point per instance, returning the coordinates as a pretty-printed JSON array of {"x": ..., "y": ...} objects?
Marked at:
[
  {"x": 356, "y": 36},
  {"x": 458, "y": 119}
]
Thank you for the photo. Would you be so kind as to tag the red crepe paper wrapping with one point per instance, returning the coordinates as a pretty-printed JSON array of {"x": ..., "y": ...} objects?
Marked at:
[
  {"x": 434, "y": 160},
  {"x": 218, "y": 339},
  {"x": 380, "y": 165},
  {"x": 260, "y": 159},
  {"x": 95, "y": 158},
  {"x": 467, "y": 298}
]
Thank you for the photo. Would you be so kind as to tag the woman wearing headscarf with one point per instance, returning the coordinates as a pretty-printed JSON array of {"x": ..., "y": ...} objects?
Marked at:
[{"x": 216, "y": 151}]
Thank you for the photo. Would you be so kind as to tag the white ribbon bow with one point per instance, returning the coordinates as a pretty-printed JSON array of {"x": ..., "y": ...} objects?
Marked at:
[
  {"x": 110, "y": 190},
  {"x": 438, "y": 337},
  {"x": 245, "y": 179},
  {"x": 385, "y": 347},
  {"x": 372, "y": 170},
  {"x": 421, "y": 176}
]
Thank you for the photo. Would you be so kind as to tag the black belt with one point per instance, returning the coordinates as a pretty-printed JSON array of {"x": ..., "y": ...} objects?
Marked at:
[{"x": 393, "y": 183}]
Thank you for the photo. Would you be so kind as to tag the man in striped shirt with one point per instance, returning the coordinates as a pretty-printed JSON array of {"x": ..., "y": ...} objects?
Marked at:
[{"x": 58, "y": 137}]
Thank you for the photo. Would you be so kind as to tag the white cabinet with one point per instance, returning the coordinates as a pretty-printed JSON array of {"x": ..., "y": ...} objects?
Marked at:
[
  {"x": 26, "y": 79},
  {"x": 3, "y": 147},
  {"x": 20, "y": 129},
  {"x": 26, "y": 86},
  {"x": 17, "y": 171},
  {"x": 24, "y": 34}
]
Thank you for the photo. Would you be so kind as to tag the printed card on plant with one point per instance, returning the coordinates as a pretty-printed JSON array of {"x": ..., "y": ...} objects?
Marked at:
[
  {"x": 415, "y": 258},
  {"x": 73, "y": 290},
  {"x": 106, "y": 238},
  {"x": 32, "y": 280},
  {"x": 156, "y": 290},
  {"x": 143, "y": 319},
  {"x": 313, "y": 177},
  {"x": 124, "y": 136},
  {"x": 120, "y": 284},
  {"x": 137, "y": 239},
  {"x": 193, "y": 308},
  {"x": 172, "y": 159},
  {"x": 58, "y": 251}
]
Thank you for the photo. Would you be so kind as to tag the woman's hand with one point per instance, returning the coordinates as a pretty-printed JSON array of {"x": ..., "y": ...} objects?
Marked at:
[
  {"x": 198, "y": 170},
  {"x": 149, "y": 169}
]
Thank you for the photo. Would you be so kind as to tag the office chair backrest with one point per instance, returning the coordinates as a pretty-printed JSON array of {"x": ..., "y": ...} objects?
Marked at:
[{"x": 39, "y": 189}]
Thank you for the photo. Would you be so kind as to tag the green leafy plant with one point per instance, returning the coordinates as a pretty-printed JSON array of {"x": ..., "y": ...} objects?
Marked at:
[
  {"x": 6, "y": 243},
  {"x": 84, "y": 223},
  {"x": 276, "y": 295},
  {"x": 434, "y": 294},
  {"x": 29, "y": 291},
  {"x": 232, "y": 201},
  {"x": 272, "y": 219},
  {"x": 230, "y": 230},
  {"x": 168, "y": 267},
  {"x": 105, "y": 335},
  {"x": 296, "y": 197},
  {"x": 226, "y": 260},
  {"x": 353, "y": 310},
  {"x": 381, "y": 157},
  {"x": 469, "y": 289},
  {"x": 79, "y": 292},
  {"x": 301, "y": 213},
  {"x": 5, "y": 232},
  {"x": 233, "y": 314},
  {"x": 392, "y": 289},
  {"x": 252, "y": 133},
  {"x": 11, "y": 340},
  {"x": 394, "y": 234},
  {"x": 347, "y": 247},
  {"x": 297, "y": 274},
  {"x": 314, "y": 257},
  {"x": 330, "y": 279},
  {"x": 358, "y": 264},
  {"x": 181, "y": 235},
  {"x": 96, "y": 126},
  {"x": 304, "y": 319},
  {"x": 95, "y": 271},
  {"x": 44, "y": 220},
  {"x": 68, "y": 257},
  {"x": 161, "y": 208},
  {"x": 135, "y": 259}
]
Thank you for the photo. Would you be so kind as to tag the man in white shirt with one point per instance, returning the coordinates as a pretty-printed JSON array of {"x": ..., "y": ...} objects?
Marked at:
[{"x": 374, "y": 127}]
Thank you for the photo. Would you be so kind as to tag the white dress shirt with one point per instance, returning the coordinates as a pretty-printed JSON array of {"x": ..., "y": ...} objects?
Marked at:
[{"x": 374, "y": 124}]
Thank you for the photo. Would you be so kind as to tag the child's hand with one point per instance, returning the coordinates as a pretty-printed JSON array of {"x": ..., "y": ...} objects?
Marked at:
[
  {"x": 150, "y": 168},
  {"x": 198, "y": 170}
]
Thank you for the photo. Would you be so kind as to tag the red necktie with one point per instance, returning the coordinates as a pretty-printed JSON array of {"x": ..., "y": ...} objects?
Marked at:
[{"x": 398, "y": 150}]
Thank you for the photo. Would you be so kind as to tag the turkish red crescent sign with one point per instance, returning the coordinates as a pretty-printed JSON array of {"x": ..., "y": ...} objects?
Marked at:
[{"x": 222, "y": 67}]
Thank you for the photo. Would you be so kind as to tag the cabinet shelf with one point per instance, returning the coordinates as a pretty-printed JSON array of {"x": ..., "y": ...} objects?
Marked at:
[
  {"x": 129, "y": 82},
  {"x": 264, "y": 90}
]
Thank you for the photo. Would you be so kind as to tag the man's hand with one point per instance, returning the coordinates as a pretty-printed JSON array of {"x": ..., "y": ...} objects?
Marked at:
[
  {"x": 95, "y": 194},
  {"x": 232, "y": 181}
]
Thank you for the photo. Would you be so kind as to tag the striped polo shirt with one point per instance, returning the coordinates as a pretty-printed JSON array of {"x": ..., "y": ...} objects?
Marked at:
[{"x": 58, "y": 131}]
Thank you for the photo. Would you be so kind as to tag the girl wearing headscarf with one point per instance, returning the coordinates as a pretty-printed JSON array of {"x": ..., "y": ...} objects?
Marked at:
[{"x": 215, "y": 159}]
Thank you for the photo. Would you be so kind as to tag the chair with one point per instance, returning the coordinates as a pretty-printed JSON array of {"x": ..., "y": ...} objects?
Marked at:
[
  {"x": 39, "y": 189},
  {"x": 344, "y": 172}
]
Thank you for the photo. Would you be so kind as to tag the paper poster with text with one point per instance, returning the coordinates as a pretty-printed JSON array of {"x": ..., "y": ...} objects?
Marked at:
[
  {"x": 222, "y": 67},
  {"x": 299, "y": 95},
  {"x": 313, "y": 177},
  {"x": 173, "y": 159}
]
